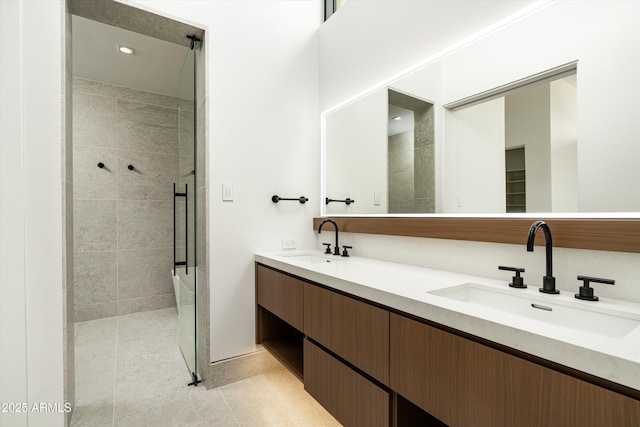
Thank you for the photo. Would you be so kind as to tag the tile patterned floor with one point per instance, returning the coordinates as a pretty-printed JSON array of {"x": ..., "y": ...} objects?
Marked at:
[{"x": 129, "y": 372}]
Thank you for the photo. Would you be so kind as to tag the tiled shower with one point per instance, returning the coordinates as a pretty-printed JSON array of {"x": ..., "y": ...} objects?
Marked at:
[
  {"x": 123, "y": 229},
  {"x": 130, "y": 145},
  {"x": 411, "y": 157}
]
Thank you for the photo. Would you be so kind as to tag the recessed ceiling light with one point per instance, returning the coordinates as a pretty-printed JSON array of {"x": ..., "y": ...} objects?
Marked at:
[
  {"x": 126, "y": 50},
  {"x": 397, "y": 118}
]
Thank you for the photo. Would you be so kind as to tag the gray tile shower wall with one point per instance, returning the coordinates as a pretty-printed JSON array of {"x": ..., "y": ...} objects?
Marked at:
[
  {"x": 424, "y": 148},
  {"x": 401, "y": 173},
  {"x": 123, "y": 248},
  {"x": 410, "y": 170}
]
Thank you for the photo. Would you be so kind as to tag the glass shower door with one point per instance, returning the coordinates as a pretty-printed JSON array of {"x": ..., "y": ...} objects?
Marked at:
[{"x": 185, "y": 217}]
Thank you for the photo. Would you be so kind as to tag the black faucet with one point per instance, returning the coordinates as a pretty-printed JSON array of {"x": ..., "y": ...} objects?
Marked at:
[
  {"x": 548, "y": 281},
  {"x": 336, "y": 251}
]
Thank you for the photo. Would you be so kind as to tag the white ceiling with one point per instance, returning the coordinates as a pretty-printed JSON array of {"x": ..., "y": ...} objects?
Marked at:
[
  {"x": 155, "y": 66},
  {"x": 398, "y": 126}
]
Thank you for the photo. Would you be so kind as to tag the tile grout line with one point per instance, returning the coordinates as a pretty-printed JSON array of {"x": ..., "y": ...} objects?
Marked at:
[
  {"x": 115, "y": 375},
  {"x": 233, "y": 414},
  {"x": 155, "y": 103}
]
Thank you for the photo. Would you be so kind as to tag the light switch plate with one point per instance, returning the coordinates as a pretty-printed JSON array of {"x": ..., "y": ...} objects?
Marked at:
[
  {"x": 376, "y": 198},
  {"x": 227, "y": 192}
]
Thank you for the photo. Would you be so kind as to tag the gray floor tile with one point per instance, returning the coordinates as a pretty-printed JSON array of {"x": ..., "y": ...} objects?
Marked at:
[
  {"x": 130, "y": 372},
  {"x": 204, "y": 408},
  {"x": 147, "y": 325}
]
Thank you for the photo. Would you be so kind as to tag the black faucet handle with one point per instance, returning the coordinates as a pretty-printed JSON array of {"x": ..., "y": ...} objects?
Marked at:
[
  {"x": 516, "y": 281},
  {"x": 345, "y": 253},
  {"x": 586, "y": 293},
  {"x": 328, "y": 249}
]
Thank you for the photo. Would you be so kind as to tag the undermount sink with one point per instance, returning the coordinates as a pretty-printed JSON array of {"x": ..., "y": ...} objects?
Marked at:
[
  {"x": 313, "y": 259},
  {"x": 568, "y": 314}
]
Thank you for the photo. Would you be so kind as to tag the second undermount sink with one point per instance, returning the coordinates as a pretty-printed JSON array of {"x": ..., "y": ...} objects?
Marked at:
[{"x": 568, "y": 314}]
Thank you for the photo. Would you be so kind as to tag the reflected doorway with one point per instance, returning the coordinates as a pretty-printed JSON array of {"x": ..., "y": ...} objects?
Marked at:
[
  {"x": 410, "y": 154},
  {"x": 486, "y": 138}
]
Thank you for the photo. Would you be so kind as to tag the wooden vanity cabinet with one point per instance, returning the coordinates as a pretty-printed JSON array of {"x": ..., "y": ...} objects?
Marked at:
[
  {"x": 281, "y": 294},
  {"x": 351, "y": 398},
  {"x": 369, "y": 366},
  {"x": 279, "y": 319},
  {"x": 354, "y": 330},
  {"x": 337, "y": 345},
  {"x": 465, "y": 383}
]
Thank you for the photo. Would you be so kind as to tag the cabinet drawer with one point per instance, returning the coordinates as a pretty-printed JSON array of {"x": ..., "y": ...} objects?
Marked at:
[
  {"x": 281, "y": 294},
  {"x": 464, "y": 383},
  {"x": 348, "y": 396},
  {"x": 356, "y": 331}
]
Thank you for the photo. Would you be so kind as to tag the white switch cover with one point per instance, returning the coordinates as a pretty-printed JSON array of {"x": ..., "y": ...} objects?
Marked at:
[
  {"x": 376, "y": 198},
  {"x": 459, "y": 201},
  {"x": 227, "y": 192},
  {"x": 288, "y": 243}
]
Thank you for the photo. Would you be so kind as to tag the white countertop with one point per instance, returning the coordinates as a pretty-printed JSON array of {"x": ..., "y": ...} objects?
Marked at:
[{"x": 406, "y": 288}]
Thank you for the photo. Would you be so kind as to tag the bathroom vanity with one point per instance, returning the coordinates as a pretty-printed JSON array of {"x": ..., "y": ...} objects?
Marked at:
[{"x": 384, "y": 344}]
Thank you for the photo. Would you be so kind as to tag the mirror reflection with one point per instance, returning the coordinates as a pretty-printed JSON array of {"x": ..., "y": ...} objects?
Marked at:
[
  {"x": 540, "y": 116},
  {"x": 514, "y": 152},
  {"x": 410, "y": 154}
]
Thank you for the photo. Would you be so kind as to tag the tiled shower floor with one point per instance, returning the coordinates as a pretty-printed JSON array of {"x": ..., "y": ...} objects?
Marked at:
[{"x": 129, "y": 372}]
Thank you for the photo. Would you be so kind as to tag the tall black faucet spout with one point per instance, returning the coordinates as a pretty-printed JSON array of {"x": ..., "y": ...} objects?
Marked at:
[
  {"x": 548, "y": 246},
  {"x": 336, "y": 250},
  {"x": 548, "y": 281}
]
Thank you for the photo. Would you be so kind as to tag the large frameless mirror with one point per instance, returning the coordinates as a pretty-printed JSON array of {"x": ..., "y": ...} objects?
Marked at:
[{"x": 538, "y": 117}]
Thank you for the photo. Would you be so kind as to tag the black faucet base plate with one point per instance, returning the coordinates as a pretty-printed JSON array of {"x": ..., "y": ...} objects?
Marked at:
[
  {"x": 549, "y": 291},
  {"x": 511, "y": 285},
  {"x": 586, "y": 298}
]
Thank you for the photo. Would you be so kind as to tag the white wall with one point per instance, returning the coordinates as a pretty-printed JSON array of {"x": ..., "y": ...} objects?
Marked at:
[
  {"x": 564, "y": 145},
  {"x": 527, "y": 123},
  {"x": 357, "y": 150},
  {"x": 263, "y": 129},
  {"x": 474, "y": 180},
  {"x": 31, "y": 180},
  {"x": 561, "y": 41}
]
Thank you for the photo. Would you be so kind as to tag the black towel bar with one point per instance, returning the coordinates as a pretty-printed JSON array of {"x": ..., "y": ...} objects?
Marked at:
[
  {"x": 348, "y": 201},
  {"x": 301, "y": 199}
]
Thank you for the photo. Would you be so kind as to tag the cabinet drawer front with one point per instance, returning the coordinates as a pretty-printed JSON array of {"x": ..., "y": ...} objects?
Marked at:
[
  {"x": 348, "y": 396},
  {"x": 356, "y": 331},
  {"x": 464, "y": 383},
  {"x": 281, "y": 294}
]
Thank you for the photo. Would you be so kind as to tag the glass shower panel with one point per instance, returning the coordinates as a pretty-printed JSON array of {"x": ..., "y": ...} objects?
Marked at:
[{"x": 185, "y": 216}]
